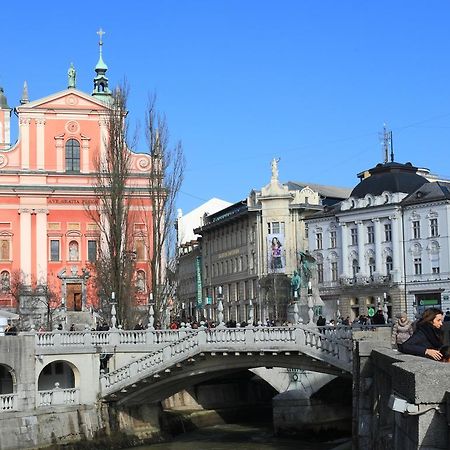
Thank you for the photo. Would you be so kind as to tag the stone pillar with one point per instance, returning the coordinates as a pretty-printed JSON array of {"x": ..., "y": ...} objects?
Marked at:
[
  {"x": 378, "y": 260},
  {"x": 85, "y": 154},
  {"x": 344, "y": 247},
  {"x": 40, "y": 146},
  {"x": 25, "y": 244},
  {"x": 396, "y": 248},
  {"x": 361, "y": 262},
  {"x": 59, "y": 144},
  {"x": 41, "y": 245},
  {"x": 24, "y": 126},
  {"x": 103, "y": 138}
]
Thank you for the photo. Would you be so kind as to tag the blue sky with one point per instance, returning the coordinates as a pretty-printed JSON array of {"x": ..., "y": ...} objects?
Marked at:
[{"x": 241, "y": 82}]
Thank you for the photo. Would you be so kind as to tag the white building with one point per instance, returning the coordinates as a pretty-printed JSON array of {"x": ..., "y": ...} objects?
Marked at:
[
  {"x": 387, "y": 244},
  {"x": 193, "y": 219}
]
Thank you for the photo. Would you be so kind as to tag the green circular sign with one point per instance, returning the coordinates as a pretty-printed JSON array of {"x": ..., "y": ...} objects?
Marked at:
[{"x": 371, "y": 312}]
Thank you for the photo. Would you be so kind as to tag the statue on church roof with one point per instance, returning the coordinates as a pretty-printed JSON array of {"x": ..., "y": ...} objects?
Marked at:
[{"x": 72, "y": 76}]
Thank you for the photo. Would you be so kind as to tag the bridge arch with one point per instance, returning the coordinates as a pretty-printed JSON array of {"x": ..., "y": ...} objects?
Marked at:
[
  {"x": 206, "y": 366},
  {"x": 59, "y": 373},
  {"x": 8, "y": 382}
]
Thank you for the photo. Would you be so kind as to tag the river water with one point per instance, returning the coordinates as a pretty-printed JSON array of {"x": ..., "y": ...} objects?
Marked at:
[{"x": 236, "y": 437}]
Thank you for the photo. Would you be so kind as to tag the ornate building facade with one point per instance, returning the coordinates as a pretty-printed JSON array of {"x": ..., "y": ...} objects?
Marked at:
[
  {"x": 47, "y": 180},
  {"x": 250, "y": 250},
  {"x": 386, "y": 246}
]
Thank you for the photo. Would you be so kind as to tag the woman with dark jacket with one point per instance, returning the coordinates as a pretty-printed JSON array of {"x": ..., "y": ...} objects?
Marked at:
[{"x": 427, "y": 337}]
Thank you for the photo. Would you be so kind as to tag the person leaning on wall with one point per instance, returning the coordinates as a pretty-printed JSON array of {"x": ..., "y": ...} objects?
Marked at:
[{"x": 427, "y": 338}]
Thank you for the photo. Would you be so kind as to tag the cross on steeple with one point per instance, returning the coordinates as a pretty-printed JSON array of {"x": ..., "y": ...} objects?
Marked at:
[{"x": 101, "y": 33}]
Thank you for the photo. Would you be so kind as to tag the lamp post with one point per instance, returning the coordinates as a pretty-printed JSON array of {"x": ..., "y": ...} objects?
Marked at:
[
  {"x": 113, "y": 310},
  {"x": 220, "y": 306},
  {"x": 151, "y": 312},
  {"x": 310, "y": 304}
]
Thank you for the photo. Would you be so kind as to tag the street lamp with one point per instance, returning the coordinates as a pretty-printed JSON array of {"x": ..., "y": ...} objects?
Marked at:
[
  {"x": 113, "y": 310},
  {"x": 220, "y": 306},
  {"x": 151, "y": 312}
]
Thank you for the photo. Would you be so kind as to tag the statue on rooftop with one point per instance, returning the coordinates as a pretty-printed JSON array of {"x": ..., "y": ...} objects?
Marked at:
[
  {"x": 274, "y": 165},
  {"x": 72, "y": 76}
]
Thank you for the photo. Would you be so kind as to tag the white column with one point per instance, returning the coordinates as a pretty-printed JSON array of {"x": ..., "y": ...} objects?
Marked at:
[
  {"x": 103, "y": 138},
  {"x": 361, "y": 237},
  {"x": 344, "y": 250},
  {"x": 59, "y": 147},
  {"x": 378, "y": 260},
  {"x": 396, "y": 248},
  {"x": 41, "y": 245},
  {"x": 40, "y": 147},
  {"x": 25, "y": 142},
  {"x": 84, "y": 154},
  {"x": 25, "y": 244}
]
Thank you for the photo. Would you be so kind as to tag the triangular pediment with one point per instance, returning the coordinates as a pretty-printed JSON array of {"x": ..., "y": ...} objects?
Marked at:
[{"x": 67, "y": 99}]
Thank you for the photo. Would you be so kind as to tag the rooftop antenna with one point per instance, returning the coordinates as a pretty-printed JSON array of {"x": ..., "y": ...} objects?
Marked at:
[{"x": 388, "y": 148}]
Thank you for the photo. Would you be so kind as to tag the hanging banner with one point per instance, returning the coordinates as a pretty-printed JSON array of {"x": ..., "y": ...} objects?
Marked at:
[
  {"x": 276, "y": 253},
  {"x": 198, "y": 272}
]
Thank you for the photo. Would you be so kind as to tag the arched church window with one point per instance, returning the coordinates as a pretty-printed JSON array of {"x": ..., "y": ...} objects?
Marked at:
[{"x": 72, "y": 156}]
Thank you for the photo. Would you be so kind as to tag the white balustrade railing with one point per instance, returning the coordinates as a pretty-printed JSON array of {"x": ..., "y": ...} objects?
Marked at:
[
  {"x": 8, "y": 402},
  {"x": 58, "y": 396},
  {"x": 332, "y": 343},
  {"x": 139, "y": 340}
]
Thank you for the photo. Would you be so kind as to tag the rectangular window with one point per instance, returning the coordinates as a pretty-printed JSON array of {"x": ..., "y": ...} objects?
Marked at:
[
  {"x": 92, "y": 251},
  {"x": 416, "y": 229},
  {"x": 370, "y": 235},
  {"x": 334, "y": 271},
  {"x": 54, "y": 250},
  {"x": 320, "y": 272},
  {"x": 387, "y": 232},
  {"x": 417, "y": 266},
  {"x": 332, "y": 239},
  {"x": 435, "y": 269},
  {"x": 319, "y": 241},
  {"x": 434, "y": 231},
  {"x": 354, "y": 236},
  {"x": 276, "y": 227},
  {"x": 306, "y": 231}
]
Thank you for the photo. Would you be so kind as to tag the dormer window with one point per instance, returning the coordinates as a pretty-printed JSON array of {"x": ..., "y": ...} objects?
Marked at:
[{"x": 72, "y": 156}]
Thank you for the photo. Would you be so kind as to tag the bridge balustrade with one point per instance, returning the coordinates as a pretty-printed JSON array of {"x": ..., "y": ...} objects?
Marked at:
[
  {"x": 8, "y": 402},
  {"x": 58, "y": 396},
  {"x": 64, "y": 341}
]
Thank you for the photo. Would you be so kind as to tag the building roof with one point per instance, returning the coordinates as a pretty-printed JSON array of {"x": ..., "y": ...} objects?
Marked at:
[
  {"x": 324, "y": 191},
  {"x": 428, "y": 192},
  {"x": 390, "y": 177}
]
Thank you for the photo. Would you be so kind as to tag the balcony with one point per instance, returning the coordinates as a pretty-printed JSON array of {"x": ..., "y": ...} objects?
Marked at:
[{"x": 363, "y": 280}]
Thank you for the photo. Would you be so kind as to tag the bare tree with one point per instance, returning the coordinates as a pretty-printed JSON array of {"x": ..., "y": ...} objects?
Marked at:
[
  {"x": 165, "y": 180},
  {"x": 115, "y": 262}
]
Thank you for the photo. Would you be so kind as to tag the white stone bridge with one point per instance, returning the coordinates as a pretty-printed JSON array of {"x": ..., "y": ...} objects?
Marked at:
[{"x": 154, "y": 364}]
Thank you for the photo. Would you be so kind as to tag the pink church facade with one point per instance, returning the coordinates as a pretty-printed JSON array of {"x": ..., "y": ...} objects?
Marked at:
[{"x": 47, "y": 237}]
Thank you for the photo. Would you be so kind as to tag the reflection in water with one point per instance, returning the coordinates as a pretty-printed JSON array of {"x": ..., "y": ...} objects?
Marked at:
[{"x": 236, "y": 437}]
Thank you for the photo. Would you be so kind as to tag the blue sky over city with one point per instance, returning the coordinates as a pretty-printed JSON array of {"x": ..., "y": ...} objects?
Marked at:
[{"x": 242, "y": 82}]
